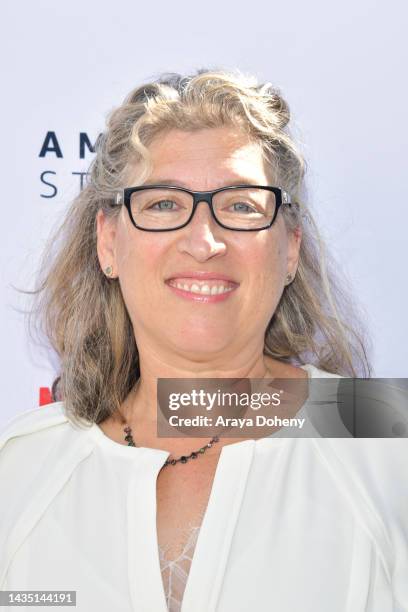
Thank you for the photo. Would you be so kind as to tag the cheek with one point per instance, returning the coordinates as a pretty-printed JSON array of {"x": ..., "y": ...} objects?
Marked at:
[
  {"x": 267, "y": 260},
  {"x": 138, "y": 255},
  {"x": 137, "y": 262},
  {"x": 266, "y": 266}
]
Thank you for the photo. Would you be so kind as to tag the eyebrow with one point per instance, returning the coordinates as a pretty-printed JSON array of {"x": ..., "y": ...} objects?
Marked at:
[{"x": 172, "y": 182}]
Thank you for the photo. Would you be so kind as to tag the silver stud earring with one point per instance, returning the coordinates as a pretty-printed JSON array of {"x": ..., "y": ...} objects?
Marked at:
[
  {"x": 288, "y": 279},
  {"x": 108, "y": 271}
]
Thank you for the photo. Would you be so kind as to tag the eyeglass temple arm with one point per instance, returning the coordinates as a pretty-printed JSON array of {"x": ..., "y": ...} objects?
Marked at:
[
  {"x": 119, "y": 198},
  {"x": 286, "y": 199}
]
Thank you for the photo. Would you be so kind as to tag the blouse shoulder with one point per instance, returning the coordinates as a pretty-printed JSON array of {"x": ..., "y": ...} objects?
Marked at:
[
  {"x": 32, "y": 421},
  {"x": 44, "y": 435},
  {"x": 39, "y": 450},
  {"x": 372, "y": 475},
  {"x": 35, "y": 442},
  {"x": 315, "y": 372}
]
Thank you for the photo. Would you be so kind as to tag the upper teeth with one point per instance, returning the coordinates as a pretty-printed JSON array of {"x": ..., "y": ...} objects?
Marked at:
[{"x": 205, "y": 289}]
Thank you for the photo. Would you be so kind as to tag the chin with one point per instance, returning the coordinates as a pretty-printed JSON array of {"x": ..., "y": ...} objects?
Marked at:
[{"x": 203, "y": 343}]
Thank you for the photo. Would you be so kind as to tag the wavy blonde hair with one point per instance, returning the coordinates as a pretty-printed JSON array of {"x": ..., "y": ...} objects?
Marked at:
[{"x": 82, "y": 313}]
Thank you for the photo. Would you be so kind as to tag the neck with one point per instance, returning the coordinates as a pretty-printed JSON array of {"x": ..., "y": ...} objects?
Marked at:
[{"x": 139, "y": 409}]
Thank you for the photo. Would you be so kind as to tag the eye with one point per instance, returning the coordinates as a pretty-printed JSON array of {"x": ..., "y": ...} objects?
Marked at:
[
  {"x": 163, "y": 205},
  {"x": 243, "y": 207}
]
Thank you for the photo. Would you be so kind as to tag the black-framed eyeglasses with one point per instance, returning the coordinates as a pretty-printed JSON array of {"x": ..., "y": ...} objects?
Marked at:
[{"x": 163, "y": 208}]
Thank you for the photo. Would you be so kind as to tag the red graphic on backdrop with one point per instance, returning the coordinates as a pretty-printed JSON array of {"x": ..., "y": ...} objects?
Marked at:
[{"x": 45, "y": 396}]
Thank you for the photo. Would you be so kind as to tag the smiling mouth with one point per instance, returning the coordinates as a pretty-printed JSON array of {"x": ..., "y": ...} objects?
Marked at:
[{"x": 206, "y": 287}]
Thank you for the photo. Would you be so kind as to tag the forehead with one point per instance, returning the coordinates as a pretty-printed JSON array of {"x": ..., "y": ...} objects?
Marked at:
[{"x": 206, "y": 159}]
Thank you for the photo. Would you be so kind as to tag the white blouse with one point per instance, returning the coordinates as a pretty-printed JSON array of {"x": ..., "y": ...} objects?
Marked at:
[{"x": 292, "y": 524}]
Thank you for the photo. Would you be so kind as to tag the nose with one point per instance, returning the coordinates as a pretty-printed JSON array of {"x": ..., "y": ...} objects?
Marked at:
[{"x": 202, "y": 238}]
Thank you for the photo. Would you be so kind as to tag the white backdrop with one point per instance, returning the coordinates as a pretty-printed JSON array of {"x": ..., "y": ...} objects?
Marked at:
[{"x": 342, "y": 68}]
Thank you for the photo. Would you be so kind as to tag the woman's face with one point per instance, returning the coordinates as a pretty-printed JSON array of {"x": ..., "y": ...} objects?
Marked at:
[{"x": 252, "y": 264}]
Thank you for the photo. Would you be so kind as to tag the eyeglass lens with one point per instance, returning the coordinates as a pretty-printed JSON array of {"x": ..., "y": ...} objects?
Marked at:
[{"x": 246, "y": 208}]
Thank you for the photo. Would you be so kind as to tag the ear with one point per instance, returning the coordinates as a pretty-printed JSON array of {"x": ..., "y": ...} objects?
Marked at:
[
  {"x": 294, "y": 240},
  {"x": 106, "y": 241}
]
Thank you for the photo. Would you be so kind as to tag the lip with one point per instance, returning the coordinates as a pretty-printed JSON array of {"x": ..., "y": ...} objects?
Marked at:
[
  {"x": 203, "y": 298},
  {"x": 201, "y": 275}
]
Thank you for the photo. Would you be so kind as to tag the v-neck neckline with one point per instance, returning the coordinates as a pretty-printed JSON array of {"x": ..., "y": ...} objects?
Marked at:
[
  {"x": 205, "y": 576},
  {"x": 218, "y": 525}
]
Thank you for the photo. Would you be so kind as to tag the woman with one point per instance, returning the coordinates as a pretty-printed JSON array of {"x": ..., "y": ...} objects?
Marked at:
[{"x": 191, "y": 254}]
